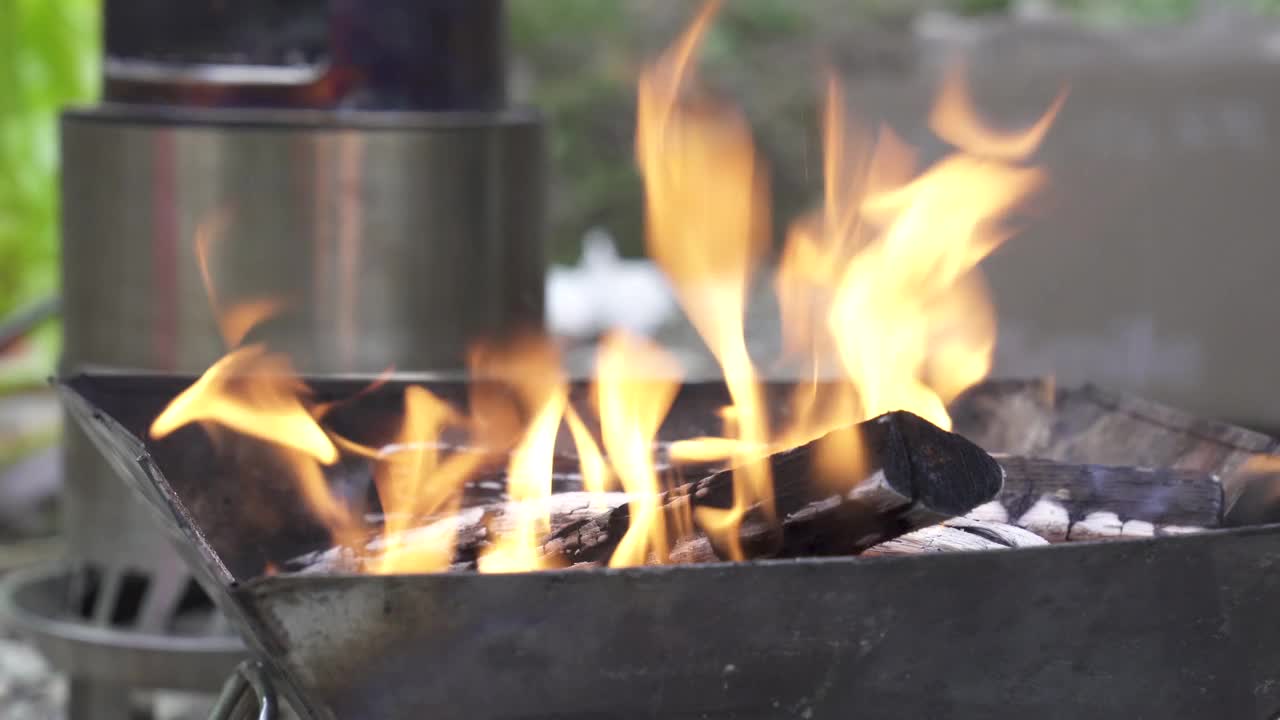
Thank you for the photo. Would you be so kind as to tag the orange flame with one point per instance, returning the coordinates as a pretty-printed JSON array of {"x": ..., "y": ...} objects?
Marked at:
[
  {"x": 707, "y": 215},
  {"x": 415, "y": 483},
  {"x": 955, "y": 120},
  {"x": 596, "y": 475},
  {"x": 635, "y": 385},
  {"x": 254, "y": 393},
  {"x": 533, "y": 370},
  {"x": 878, "y": 286},
  {"x": 911, "y": 319},
  {"x": 234, "y": 321}
]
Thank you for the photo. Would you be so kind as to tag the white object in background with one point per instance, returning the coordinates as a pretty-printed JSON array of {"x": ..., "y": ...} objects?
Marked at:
[{"x": 605, "y": 291}]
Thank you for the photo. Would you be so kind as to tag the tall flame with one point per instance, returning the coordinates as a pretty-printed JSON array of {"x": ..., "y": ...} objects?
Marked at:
[
  {"x": 635, "y": 385},
  {"x": 707, "y": 213},
  {"x": 415, "y": 481},
  {"x": 911, "y": 319},
  {"x": 533, "y": 371},
  {"x": 878, "y": 285},
  {"x": 235, "y": 320}
]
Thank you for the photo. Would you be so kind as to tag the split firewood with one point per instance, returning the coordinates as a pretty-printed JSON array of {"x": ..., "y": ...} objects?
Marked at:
[
  {"x": 1005, "y": 534},
  {"x": 957, "y": 535},
  {"x": 1036, "y": 418},
  {"x": 932, "y": 539},
  {"x": 914, "y": 475},
  {"x": 1160, "y": 496}
]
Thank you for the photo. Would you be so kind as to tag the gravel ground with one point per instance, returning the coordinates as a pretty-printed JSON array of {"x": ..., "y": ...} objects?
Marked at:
[{"x": 31, "y": 690}]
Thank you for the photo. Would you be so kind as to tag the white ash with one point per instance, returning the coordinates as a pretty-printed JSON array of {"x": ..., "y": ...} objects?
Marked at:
[
  {"x": 1097, "y": 526},
  {"x": 29, "y": 687},
  {"x": 1178, "y": 530},
  {"x": 1138, "y": 528},
  {"x": 998, "y": 532},
  {"x": 1046, "y": 518},
  {"x": 989, "y": 512},
  {"x": 933, "y": 539}
]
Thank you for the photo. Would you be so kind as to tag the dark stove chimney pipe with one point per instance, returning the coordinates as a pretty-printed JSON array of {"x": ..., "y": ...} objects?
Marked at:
[{"x": 385, "y": 55}]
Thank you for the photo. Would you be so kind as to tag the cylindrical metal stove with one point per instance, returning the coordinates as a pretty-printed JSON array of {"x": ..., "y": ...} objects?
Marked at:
[{"x": 366, "y": 174}]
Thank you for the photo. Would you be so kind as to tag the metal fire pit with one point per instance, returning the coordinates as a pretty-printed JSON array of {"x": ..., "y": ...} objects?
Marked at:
[{"x": 1176, "y": 627}]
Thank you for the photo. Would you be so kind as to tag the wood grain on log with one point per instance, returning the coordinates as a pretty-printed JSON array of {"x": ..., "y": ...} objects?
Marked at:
[
  {"x": 1035, "y": 418},
  {"x": 1158, "y": 496},
  {"x": 957, "y": 535}
]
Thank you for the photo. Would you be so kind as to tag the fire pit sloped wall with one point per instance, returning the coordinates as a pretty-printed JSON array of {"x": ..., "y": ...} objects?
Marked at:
[
  {"x": 1180, "y": 627},
  {"x": 1161, "y": 627}
]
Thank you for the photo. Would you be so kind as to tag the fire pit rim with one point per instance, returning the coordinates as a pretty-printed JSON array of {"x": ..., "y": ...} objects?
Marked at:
[
  {"x": 171, "y": 501},
  {"x": 279, "y": 627},
  {"x": 560, "y": 574}
]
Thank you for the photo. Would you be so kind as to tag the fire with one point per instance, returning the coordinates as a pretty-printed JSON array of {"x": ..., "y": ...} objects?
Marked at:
[
  {"x": 881, "y": 303},
  {"x": 955, "y": 120},
  {"x": 254, "y": 393},
  {"x": 707, "y": 215},
  {"x": 234, "y": 320},
  {"x": 596, "y": 475},
  {"x": 415, "y": 481},
  {"x": 635, "y": 385},
  {"x": 532, "y": 369}
]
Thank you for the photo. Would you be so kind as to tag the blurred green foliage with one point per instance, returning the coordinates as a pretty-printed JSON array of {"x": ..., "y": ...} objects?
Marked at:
[
  {"x": 48, "y": 58},
  {"x": 1113, "y": 12}
]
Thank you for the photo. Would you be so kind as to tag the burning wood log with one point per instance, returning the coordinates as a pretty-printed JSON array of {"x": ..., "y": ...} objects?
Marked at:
[
  {"x": 471, "y": 529},
  {"x": 913, "y": 475}
]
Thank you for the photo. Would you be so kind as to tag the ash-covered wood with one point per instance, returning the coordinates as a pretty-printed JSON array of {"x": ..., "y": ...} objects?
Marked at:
[
  {"x": 957, "y": 535},
  {"x": 999, "y": 532},
  {"x": 1160, "y": 496},
  {"x": 1035, "y": 418},
  {"x": 472, "y": 529},
  {"x": 913, "y": 474},
  {"x": 1049, "y": 518},
  {"x": 1089, "y": 425}
]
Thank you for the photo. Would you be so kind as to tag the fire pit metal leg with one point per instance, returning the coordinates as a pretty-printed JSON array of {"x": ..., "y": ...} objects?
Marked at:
[{"x": 249, "y": 676}]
